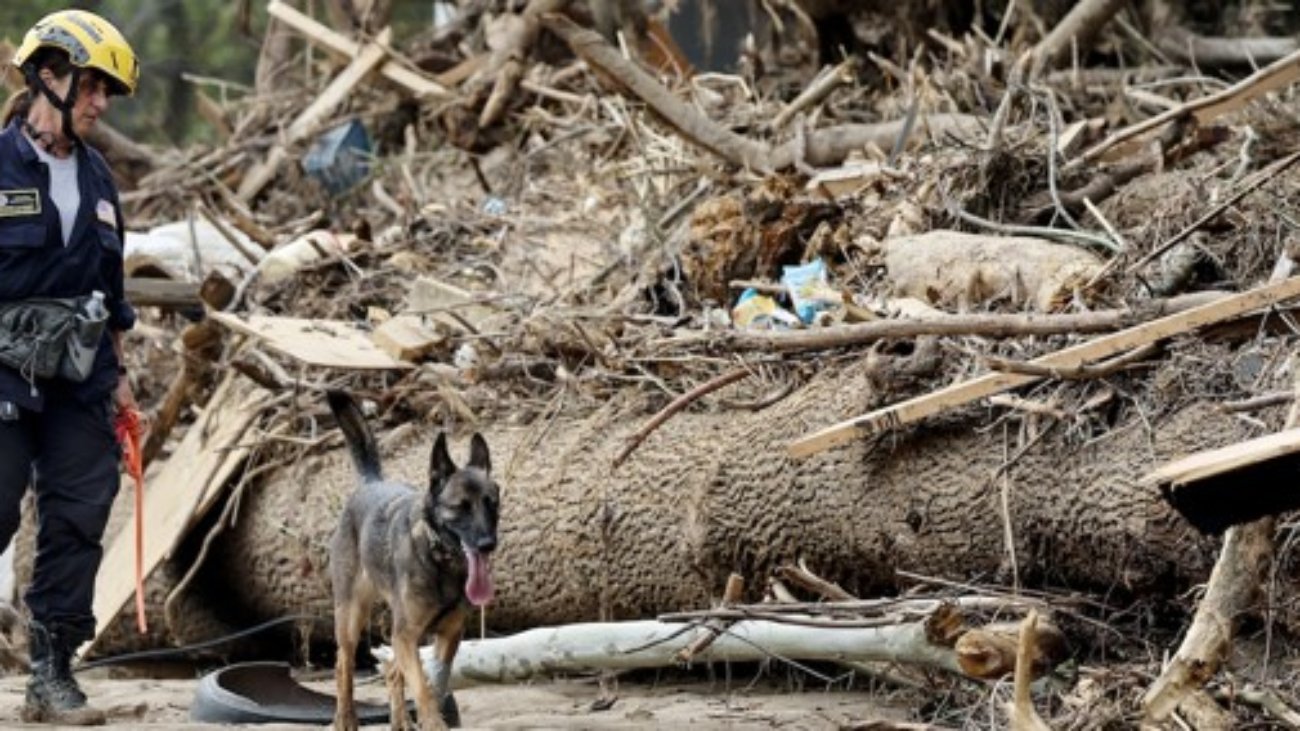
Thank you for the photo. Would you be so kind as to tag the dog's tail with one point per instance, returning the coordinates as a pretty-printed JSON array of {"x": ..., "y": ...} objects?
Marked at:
[{"x": 365, "y": 455}]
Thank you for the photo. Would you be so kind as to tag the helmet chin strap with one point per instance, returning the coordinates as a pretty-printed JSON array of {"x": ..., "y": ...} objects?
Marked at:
[{"x": 64, "y": 105}]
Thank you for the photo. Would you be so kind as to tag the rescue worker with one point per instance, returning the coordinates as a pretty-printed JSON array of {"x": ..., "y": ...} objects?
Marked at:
[{"x": 61, "y": 234}]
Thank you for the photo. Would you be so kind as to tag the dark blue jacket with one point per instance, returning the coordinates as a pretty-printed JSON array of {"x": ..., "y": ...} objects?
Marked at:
[{"x": 35, "y": 263}]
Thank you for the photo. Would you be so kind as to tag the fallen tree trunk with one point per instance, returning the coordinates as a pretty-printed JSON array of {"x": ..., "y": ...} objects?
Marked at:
[{"x": 716, "y": 495}]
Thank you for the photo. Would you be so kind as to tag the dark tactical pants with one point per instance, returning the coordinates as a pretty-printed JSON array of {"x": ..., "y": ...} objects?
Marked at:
[{"x": 69, "y": 455}]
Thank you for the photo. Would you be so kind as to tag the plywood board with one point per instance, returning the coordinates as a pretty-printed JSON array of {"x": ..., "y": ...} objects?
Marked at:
[
  {"x": 176, "y": 495},
  {"x": 325, "y": 343}
]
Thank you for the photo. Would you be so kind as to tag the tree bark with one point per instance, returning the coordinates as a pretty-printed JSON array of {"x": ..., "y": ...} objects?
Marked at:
[{"x": 716, "y": 495}]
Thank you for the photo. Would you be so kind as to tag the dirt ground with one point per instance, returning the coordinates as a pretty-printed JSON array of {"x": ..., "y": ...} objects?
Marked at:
[{"x": 163, "y": 705}]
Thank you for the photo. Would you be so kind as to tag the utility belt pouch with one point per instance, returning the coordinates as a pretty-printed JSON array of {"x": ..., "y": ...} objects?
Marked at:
[
  {"x": 84, "y": 338},
  {"x": 48, "y": 338}
]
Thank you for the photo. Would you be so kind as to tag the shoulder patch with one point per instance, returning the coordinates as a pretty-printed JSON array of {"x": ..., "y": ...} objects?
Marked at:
[
  {"x": 22, "y": 202},
  {"x": 104, "y": 212}
]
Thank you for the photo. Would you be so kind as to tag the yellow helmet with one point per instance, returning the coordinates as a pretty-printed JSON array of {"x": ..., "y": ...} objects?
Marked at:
[{"x": 90, "y": 41}]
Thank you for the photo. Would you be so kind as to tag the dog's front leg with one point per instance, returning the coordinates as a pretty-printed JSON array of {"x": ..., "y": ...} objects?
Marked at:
[
  {"x": 397, "y": 717},
  {"x": 406, "y": 655},
  {"x": 446, "y": 643}
]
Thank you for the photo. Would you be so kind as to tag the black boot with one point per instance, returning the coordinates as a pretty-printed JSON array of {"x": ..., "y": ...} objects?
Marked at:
[{"x": 53, "y": 695}]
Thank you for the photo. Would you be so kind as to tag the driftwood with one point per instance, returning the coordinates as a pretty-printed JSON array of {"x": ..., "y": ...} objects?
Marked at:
[
  {"x": 506, "y": 65},
  {"x": 830, "y": 79},
  {"x": 1000, "y": 649},
  {"x": 822, "y": 147},
  {"x": 1277, "y": 75},
  {"x": 714, "y": 628},
  {"x": 417, "y": 84},
  {"x": 1231, "y": 592},
  {"x": 1201, "y": 51},
  {"x": 686, "y": 120},
  {"x": 1073, "y": 35},
  {"x": 831, "y": 145},
  {"x": 1023, "y": 715},
  {"x": 1234, "y": 586},
  {"x": 650, "y": 644},
  {"x": 186, "y": 251}
]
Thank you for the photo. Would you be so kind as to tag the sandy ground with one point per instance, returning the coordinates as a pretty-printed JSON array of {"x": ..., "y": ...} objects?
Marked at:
[{"x": 163, "y": 704}]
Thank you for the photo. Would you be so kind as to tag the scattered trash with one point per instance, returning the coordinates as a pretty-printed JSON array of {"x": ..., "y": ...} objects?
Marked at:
[
  {"x": 311, "y": 248},
  {"x": 340, "y": 158},
  {"x": 465, "y": 357},
  {"x": 809, "y": 291},
  {"x": 754, "y": 310}
]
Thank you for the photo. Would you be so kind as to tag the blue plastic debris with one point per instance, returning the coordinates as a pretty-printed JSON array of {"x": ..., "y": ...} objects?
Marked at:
[
  {"x": 340, "y": 158},
  {"x": 809, "y": 291}
]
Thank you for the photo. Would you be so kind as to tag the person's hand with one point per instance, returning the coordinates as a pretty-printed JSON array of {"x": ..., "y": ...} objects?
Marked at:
[{"x": 124, "y": 400}]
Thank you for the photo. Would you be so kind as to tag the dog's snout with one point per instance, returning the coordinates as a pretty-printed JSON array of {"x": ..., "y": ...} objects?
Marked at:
[{"x": 486, "y": 544}]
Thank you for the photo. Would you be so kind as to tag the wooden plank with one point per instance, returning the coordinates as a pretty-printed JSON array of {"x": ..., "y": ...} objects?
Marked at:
[
  {"x": 324, "y": 343},
  {"x": 165, "y": 293},
  {"x": 958, "y": 394},
  {"x": 340, "y": 45},
  {"x": 176, "y": 496},
  {"x": 407, "y": 337},
  {"x": 1211, "y": 462},
  {"x": 310, "y": 118}
]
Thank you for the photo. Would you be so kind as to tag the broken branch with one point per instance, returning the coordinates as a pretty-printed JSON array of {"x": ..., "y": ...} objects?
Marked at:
[
  {"x": 678, "y": 404},
  {"x": 688, "y": 122}
]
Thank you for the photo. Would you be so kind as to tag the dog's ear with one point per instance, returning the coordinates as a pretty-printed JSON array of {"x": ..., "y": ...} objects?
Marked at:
[
  {"x": 478, "y": 454},
  {"x": 441, "y": 468}
]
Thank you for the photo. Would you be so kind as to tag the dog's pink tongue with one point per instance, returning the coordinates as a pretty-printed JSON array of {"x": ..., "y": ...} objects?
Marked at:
[{"x": 478, "y": 587}]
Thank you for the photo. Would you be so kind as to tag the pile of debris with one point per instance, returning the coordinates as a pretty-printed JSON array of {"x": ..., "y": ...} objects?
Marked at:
[{"x": 934, "y": 306}]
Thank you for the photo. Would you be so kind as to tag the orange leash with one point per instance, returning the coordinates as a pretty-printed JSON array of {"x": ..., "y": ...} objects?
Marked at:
[{"x": 129, "y": 427}]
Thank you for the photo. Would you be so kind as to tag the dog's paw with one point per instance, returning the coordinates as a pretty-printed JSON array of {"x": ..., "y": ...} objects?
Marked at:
[
  {"x": 450, "y": 711},
  {"x": 346, "y": 722}
]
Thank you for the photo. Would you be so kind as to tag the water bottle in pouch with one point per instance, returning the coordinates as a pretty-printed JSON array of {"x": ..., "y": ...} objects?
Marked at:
[{"x": 83, "y": 341}]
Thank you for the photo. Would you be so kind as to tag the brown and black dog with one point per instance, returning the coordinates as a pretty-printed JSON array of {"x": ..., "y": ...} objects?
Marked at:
[{"x": 426, "y": 552}]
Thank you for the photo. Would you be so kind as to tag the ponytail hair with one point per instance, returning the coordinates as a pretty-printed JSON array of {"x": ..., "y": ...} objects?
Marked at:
[
  {"x": 20, "y": 102},
  {"x": 17, "y": 105}
]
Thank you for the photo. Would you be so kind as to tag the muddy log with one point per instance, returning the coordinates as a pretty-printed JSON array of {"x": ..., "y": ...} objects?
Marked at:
[{"x": 714, "y": 494}]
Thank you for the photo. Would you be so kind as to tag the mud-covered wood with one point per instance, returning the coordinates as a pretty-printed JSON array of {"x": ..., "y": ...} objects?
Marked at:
[{"x": 715, "y": 494}]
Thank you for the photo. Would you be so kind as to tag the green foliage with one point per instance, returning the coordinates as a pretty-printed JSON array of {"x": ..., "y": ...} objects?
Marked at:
[{"x": 174, "y": 38}]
